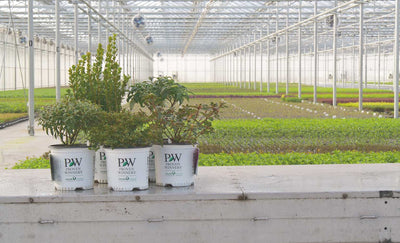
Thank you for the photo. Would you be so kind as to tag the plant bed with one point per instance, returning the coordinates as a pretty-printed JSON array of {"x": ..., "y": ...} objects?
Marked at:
[{"x": 9, "y": 119}]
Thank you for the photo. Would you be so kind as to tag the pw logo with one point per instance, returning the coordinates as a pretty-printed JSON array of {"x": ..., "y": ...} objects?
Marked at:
[
  {"x": 72, "y": 162},
  {"x": 173, "y": 157},
  {"x": 102, "y": 156},
  {"x": 123, "y": 162}
]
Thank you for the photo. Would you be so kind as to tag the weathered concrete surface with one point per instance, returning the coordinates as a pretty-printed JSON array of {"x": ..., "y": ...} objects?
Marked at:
[
  {"x": 318, "y": 203},
  {"x": 16, "y": 144}
]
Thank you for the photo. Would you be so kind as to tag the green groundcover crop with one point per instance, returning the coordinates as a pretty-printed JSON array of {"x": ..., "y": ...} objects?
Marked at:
[
  {"x": 336, "y": 157},
  {"x": 302, "y": 135},
  {"x": 238, "y": 159}
]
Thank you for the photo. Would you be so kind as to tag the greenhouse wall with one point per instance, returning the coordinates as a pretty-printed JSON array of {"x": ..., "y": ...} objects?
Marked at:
[
  {"x": 14, "y": 62},
  {"x": 189, "y": 68}
]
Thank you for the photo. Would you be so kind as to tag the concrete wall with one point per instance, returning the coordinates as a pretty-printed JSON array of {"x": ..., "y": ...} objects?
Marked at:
[{"x": 319, "y": 203}]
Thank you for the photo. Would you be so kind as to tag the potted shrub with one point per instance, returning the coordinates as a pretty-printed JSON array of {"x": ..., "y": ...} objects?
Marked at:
[
  {"x": 101, "y": 83},
  {"x": 162, "y": 100},
  {"x": 176, "y": 162},
  {"x": 155, "y": 97},
  {"x": 71, "y": 163},
  {"x": 126, "y": 138}
]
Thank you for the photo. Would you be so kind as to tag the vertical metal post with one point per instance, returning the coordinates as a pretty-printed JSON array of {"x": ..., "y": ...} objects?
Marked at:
[
  {"x": 89, "y": 29},
  {"x": 245, "y": 67},
  {"x": 48, "y": 63},
  {"x": 287, "y": 49},
  {"x": 366, "y": 60},
  {"x": 255, "y": 63},
  {"x": 241, "y": 68},
  {"x": 354, "y": 61},
  {"x": 41, "y": 62},
  {"x": 334, "y": 100},
  {"x": 268, "y": 61},
  {"x": 76, "y": 32},
  {"x": 107, "y": 17},
  {"x": 232, "y": 68},
  {"x": 325, "y": 66},
  {"x": 299, "y": 52},
  {"x": 277, "y": 53},
  {"x": 360, "y": 56},
  {"x": 379, "y": 59},
  {"x": 99, "y": 25},
  {"x": 31, "y": 94},
  {"x": 261, "y": 63},
  {"x": 315, "y": 53},
  {"x": 396, "y": 61},
  {"x": 249, "y": 63},
  {"x": 58, "y": 62}
]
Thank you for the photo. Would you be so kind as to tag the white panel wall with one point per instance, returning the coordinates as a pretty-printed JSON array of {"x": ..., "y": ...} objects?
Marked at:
[{"x": 190, "y": 68}]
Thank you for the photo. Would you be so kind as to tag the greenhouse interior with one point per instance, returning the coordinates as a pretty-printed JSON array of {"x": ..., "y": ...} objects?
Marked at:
[{"x": 293, "y": 101}]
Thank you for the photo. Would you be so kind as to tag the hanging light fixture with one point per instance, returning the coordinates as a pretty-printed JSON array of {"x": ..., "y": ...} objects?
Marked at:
[
  {"x": 330, "y": 20},
  {"x": 149, "y": 39},
  {"x": 138, "y": 21}
]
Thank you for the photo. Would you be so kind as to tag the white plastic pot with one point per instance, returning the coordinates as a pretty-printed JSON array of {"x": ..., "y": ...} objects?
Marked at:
[
  {"x": 176, "y": 165},
  {"x": 152, "y": 166},
  {"x": 127, "y": 168},
  {"x": 100, "y": 166},
  {"x": 72, "y": 167}
]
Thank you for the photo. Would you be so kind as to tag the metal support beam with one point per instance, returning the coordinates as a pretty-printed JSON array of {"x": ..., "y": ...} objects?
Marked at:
[
  {"x": 261, "y": 62},
  {"x": 58, "y": 63},
  {"x": 89, "y": 29},
  {"x": 315, "y": 51},
  {"x": 268, "y": 61},
  {"x": 76, "y": 33},
  {"x": 299, "y": 53},
  {"x": 196, "y": 27},
  {"x": 396, "y": 60},
  {"x": 255, "y": 63},
  {"x": 323, "y": 14},
  {"x": 249, "y": 69},
  {"x": 379, "y": 60},
  {"x": 31, "y": 94},
  {"x": 287, "y": 48},
  {"x": 277, "y": 50},
  {"x": 334, "y": 101},
  {"x": 99, "y": 25},
  {"x": 361, "y": 56}
]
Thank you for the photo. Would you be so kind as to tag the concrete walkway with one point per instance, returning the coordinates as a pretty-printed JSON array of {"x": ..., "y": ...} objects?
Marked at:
[{"x": 16, "y": 144}]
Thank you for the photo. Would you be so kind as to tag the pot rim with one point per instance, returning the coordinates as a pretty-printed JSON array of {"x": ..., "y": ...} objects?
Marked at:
[{"x": 58, "y": 146}]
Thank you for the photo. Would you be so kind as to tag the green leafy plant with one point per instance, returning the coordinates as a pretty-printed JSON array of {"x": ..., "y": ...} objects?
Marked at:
[
  {"x": 189, "y": 122},
  {"x": 100, "y": 82},
  {"x": 161, "y": 92},
  {"x": 162, "y": 99},
  {"x": 66, "y": 119},
  {"x": 121, "y": 130}
]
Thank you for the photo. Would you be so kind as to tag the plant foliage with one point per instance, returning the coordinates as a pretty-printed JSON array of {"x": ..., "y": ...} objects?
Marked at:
[
  {"x": 100, "y": 82},
  {"x": 64, "y": 120},
  {"x": 162, "y": 98},
  {"x": 121, "y": 130}
]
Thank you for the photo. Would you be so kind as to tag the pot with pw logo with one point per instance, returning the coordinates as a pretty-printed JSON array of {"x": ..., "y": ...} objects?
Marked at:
[
  {"x": 152, "y": 166},
  {"x": 100, "y": 166},
  {"x": 127, "y": 168},
  {"x": 72, "y": 167},
  {"x": 176, "y": 165}
]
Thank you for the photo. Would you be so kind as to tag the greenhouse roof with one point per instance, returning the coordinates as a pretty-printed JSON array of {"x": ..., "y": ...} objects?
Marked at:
[{"x": 212, "y": 26}]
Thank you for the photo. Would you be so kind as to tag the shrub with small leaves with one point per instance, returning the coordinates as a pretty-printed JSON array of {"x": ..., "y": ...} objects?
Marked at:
[
  {"x": 66, "y": 119},
  {"x": 122, "y": 130}
]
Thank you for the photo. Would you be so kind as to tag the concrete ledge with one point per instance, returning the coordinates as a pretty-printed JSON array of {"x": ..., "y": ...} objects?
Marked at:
[{"x": 319, "y": 203}]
